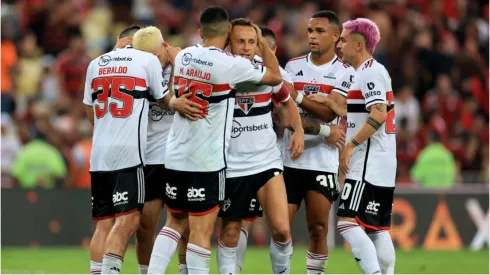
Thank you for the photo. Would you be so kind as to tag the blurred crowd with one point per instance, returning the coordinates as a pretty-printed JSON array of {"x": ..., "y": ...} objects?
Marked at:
[{"x": 435, "y": 50}]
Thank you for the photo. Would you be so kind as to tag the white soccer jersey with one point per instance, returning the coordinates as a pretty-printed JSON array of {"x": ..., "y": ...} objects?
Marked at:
[
  {"x": 374, "y": 160},
  {"x": 253, "y": 147},
  {"x": 159, "y": 122},
  {"x": 311, "y": 79},
  {"x": 118, "y": 86},
  {"x": 210, "y": 75}
]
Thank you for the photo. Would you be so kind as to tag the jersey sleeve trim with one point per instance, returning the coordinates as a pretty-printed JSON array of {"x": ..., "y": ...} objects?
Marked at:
[
  {"x": 375, "y": 101},
  {"x": 282, "y": 95},
  {"x": 340, "y": 91}
]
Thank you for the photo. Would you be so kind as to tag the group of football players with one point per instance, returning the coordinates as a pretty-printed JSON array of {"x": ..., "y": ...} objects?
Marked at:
[{"x": 219, "y": 129}]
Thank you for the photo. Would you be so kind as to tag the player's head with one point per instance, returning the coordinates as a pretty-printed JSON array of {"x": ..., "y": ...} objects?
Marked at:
[
  {"x": 129, "y": 31},
  {"x": 149, "y": 39},
  {"x": 359, "y": 37},
  {"x": 270, "y": 38},
  {"x": 323, "y": 32},
  {"x": 243, "y": 38},
  {"x": 215, "y": 23}
]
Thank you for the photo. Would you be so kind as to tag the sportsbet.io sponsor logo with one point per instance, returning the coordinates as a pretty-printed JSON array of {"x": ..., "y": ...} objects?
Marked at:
[
  {"x": 104, "y": 60},
  {"x": 187, "y": 59},
  {"x": 156, "y": 113},
  {"x": 237, "y": 128}
]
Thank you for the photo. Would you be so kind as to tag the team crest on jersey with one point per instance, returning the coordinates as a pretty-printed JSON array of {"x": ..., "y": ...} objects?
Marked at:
[
  {"x": 226, "y": 204},
  {"x": 311, "y": 89},
  {"x": 246, "y": 103}
]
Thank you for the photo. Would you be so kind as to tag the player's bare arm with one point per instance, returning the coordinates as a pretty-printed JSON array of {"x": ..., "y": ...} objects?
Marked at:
[
  {"x": 377, "y": 116},
  {"x": 319, "y": 110},
  {"x": 335, "y": 101},
  {"x": 90, "y": 113},
  {"x": 272, "y": 76},
  {"x": 297, "y": 143}
]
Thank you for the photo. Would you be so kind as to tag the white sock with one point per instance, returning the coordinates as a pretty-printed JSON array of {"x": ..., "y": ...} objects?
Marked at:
[
  {"x": 226, "y": 258},
  {"x": 281, "y": 254},
  {"x": 240, "y": 250},
  {"x": 182, "y": 268},
  {"x": 362, "y": 247},
  {"x": 385, "y": 251},
  {"x": 163, "y": 250},
  {"x": 143, "y": 269},
  {"x": 197, "y": 259},
  {"x": 316, "y": 263},
  {"x": 111, "y": 264},
  {"x": 95, "y": 267}
]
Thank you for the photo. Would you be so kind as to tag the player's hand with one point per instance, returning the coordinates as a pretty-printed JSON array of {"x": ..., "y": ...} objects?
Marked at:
[
  {"x": 336, "y": 137},
  {"x": 123, "y": 42},
  {"x": 297, "y": 145},
  {"x": 187, "y": 108},
  {"x": 345, "y": 158},
  {"x": 172, "y": 52},
  {"x": 259, "y": 32},
  {"x": 318, "y": 98}
]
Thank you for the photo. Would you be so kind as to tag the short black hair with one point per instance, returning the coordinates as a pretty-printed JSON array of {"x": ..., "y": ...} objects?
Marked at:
[
  {"x": 268, "y": 32},
  {"x": 330, "y": 15},
  {"x": 211, "y": 21},
  {"x": 129, "y": 31}
]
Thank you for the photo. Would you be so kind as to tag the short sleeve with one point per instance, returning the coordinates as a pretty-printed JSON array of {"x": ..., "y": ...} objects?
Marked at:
[
  {"x": 280, "y": 93},
  {"x": 342, "y": 85},
  {"x": 286, "y": 76},
  {"x": 157, "y": 83},
  {"x": 374, "y": 87},
  {"x": 87, "y": 93},
  {"x": 244, "y": 71}
]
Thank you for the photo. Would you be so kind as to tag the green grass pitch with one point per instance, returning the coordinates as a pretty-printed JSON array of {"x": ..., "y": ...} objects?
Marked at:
[{"x": 76, "y": 260}]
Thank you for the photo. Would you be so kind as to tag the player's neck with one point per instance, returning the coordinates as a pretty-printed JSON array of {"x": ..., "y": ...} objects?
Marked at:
[
  {"x": 217, "y": 42},
  {"x": 322, "y": 59},
  {"x": 362, "y": 58}
]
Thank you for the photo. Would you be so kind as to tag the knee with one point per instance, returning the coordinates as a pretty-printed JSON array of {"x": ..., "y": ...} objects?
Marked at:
[
  {"x": 104, "y": 226},
  {"x": 281, "y": 233},
  {"x": 317, "y": 232},
  {"x": 230, "y": 234},
  {"x": 128, "y": 224},
  {"x": 386, "y": 258}
]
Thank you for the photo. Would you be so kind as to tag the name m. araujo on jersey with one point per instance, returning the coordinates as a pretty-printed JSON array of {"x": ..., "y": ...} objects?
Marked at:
[
  {"x": 210, "y": 75},
  {"x": 308, "y": 79},
  {"x": 374, "y": 160},
  {"x": 118, "y": 86},
  {"x": 253, "y": 148}
]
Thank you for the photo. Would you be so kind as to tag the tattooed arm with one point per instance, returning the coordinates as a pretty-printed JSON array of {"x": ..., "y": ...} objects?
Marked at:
[{"x": 377, "y": 116}]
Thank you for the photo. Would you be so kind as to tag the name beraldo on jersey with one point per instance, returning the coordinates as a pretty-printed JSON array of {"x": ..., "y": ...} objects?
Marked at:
[
  {"x": 374, "y": 160},
  {"x": 210, "y": 75},
  {"x": 253, "y": 146},
  {"x": 118, "y": 86},
  {"x": 310, "y": 79}
]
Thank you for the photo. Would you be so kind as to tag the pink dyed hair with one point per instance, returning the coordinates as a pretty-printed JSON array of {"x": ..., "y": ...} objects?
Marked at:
[{"x": 366, "y": 28}]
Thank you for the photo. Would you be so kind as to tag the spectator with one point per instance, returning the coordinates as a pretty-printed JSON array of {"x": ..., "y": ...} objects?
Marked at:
[
  {"x": 71, "y": 67},
  {"x": 434, "y": 167},
  {"x": 407, "y": 107},
  {"x": 10, "y": 147},
  {"x": 39, "y": 165},
  {"x": 80, "y": 158},
  {"x": 9, "y": 62}
]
